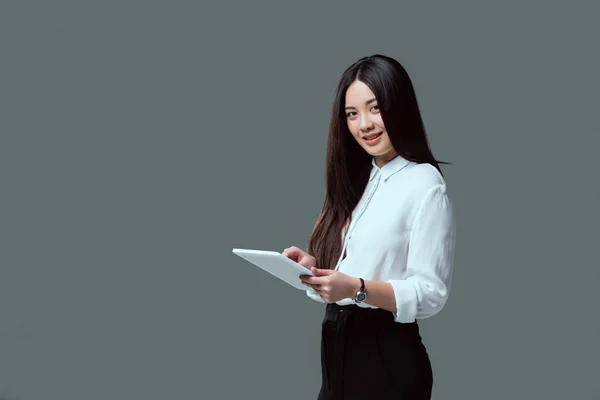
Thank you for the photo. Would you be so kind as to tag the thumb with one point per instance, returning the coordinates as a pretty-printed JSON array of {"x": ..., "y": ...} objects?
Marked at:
[{"x": 321, "y": 272}]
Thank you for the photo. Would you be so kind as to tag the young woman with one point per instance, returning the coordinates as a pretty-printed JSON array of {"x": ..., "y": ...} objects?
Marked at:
[{"x": 382, "y": 248}]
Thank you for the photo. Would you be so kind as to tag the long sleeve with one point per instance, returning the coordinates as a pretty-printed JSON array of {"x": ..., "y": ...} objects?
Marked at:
[{"x": 425, "y": 289}]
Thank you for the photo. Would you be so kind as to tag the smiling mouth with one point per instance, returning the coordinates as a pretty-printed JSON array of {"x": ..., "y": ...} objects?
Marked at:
[{"x": 373, "y": 136}]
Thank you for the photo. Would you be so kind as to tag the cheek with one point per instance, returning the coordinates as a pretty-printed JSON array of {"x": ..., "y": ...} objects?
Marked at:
[
  {"x": 353, "y": 128},
  {"x": 378, "y": 121},
  {"x": 387, "y": 139}
]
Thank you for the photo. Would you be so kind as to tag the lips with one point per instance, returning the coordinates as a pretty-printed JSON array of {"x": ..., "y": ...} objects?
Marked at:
[{"x": 372, "y": 136}]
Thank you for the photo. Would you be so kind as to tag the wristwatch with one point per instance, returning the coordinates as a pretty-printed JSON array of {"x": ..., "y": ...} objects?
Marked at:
[{"x": 361, "y": 294}]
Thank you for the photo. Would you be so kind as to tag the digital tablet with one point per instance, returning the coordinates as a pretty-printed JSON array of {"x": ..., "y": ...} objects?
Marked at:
[{"x": 277, "y": 265}]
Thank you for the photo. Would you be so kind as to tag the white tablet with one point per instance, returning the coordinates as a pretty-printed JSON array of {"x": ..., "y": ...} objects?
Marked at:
[{"x": 277, "y": 265}]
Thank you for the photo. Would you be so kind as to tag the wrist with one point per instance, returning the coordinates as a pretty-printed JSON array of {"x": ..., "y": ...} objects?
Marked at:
[{"x": 355, "y": 285}]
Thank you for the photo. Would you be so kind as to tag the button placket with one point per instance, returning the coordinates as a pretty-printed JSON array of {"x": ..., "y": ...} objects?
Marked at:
[
  {"x": 353, "y": 224},
  {"x": 364, "y": 208}
]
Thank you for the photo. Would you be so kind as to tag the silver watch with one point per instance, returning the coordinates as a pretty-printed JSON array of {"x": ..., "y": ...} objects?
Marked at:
[{"x": 361, "y": 294}]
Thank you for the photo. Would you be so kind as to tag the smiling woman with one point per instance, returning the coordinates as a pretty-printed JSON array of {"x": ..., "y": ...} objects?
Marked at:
[
  {"x": 365, "y": 123},
  {"x": 382, "y": 249}
]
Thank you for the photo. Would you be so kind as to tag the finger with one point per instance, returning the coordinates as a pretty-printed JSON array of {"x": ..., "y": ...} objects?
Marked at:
[
  {"x": 291, "y": 254},
  {"x": 312, "y": 280},
  {"x": 307, "y": 260},
  {"x": 315, "y": 288},
  {"x": 318, "y": 289},
  {"x": 309, "y": 281},
  {"x": 315, "y": 280},
  {"x": 312, "y": 285},
  {"x": 321, "y": 272}
]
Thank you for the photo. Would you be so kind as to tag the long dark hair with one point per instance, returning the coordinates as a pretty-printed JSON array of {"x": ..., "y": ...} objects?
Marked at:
[{"x": 348, "y": 165}]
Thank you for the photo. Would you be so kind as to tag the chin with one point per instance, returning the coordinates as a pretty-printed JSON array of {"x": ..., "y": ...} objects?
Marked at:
[{"x": 376, "y": 153}]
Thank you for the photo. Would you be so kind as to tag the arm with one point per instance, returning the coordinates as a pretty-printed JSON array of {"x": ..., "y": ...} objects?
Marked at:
[
  {"x": 425, "y": 289},
  {"x": 379, "y": 294}
]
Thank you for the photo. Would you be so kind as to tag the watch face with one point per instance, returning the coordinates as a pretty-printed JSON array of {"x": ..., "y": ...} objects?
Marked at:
[{"x": 360, "y": 296}]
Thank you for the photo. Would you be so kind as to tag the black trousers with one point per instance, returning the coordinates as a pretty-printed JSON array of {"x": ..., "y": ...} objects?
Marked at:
[{"x": 365, "y": 354}]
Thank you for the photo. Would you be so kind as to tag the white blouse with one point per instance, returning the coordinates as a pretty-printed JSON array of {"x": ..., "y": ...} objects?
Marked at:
[{"x": 403, "y": 232}]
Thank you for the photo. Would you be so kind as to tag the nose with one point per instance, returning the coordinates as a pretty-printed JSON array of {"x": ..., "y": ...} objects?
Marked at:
[{"x": 365, "y": 123}]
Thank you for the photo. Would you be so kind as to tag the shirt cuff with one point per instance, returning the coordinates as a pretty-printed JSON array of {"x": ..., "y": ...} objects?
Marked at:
[{"x": 406, "y": 301}]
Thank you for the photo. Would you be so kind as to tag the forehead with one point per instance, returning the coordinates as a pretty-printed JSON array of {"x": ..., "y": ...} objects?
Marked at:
[{"x": 358, "y": 93}]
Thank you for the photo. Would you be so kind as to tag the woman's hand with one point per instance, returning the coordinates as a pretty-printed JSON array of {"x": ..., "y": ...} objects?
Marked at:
[
  {"x": 331, "y": 285},
  {"x": 300, "y": 256}
]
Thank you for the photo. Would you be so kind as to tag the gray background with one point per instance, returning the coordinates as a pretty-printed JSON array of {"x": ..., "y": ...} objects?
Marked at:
[{"x": 141, "y": 142}]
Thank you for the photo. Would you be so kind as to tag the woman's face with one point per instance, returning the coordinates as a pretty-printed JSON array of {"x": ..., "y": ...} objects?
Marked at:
[{"x": 365, "y": 123}]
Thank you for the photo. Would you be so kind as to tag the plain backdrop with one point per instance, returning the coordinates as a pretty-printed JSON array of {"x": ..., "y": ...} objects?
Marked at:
[{"x": 141, "y": 141}]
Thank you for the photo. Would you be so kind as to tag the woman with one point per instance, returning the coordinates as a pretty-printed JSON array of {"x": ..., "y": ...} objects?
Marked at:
[{"x": 384, "y": 241}]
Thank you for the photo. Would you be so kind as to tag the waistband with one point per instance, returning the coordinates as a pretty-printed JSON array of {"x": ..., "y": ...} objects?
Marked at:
[{"x": 335, "y": 312}]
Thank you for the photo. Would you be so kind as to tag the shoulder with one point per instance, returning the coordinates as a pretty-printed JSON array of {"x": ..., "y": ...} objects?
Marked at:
[
  {"x": 418, "y": 185},
  {"x": 422, "y": 179},
  {"x": 429, "y": 196}
]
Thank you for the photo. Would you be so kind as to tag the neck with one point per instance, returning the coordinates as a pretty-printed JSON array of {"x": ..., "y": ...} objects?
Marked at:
[{"x": 385, "y": 158}]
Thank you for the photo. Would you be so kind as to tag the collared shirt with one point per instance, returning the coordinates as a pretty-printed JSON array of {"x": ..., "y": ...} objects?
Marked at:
[{"x": 402, "y": 231}]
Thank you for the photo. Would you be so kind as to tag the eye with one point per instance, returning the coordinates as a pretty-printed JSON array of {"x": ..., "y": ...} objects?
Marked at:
[
  {"x": 349, "y": 114},
  {"x": 375, "y": 107}
]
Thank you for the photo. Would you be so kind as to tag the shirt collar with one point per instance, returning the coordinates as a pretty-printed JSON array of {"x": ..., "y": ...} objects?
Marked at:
[{"x": 390, "y": 168}]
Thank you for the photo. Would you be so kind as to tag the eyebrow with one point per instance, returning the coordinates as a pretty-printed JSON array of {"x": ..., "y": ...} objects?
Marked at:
[{"x": 366, "y": 103}]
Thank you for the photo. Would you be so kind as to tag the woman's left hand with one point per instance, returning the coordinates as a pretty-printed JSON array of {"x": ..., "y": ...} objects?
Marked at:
[{"x": 331, "y": 285}]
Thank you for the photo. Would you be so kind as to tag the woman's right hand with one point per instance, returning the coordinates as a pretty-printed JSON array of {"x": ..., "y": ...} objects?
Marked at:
[{"x": 300, "y": 256}]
